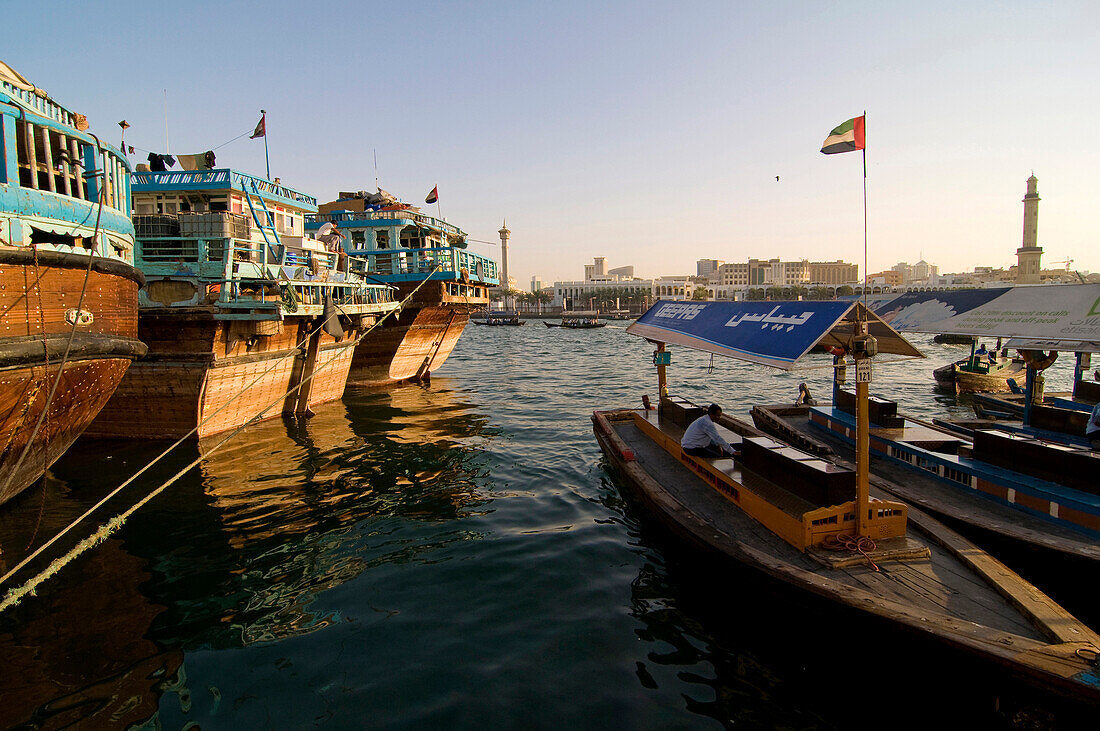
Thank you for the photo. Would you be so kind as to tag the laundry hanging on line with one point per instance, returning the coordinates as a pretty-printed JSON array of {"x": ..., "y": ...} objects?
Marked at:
[
  {"x": 160, "y": 163},
  {"x": 202, "y": 161}
]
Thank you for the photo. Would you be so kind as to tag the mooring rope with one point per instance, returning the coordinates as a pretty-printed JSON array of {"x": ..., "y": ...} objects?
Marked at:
[
  {"x": 14, "y": 595},
  {"x": 860, "y": 544}
]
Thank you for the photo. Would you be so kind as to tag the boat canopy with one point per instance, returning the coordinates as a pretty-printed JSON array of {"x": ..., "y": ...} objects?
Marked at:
[
  {"x": 581, "y": 313},
  {"x": 775, "y": 334},
  {"x": 1055, "y": 317}
]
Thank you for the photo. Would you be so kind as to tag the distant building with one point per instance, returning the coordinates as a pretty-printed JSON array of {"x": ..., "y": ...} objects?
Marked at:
[
  {"x": 889, "y": 278},
  {"x": 596, "y": 270},
  {"x": 536, "y": 283},
  {"x": 707, "y": 267},
  {"x": 626, "y": 272},
  {"x": 833, "y": 272}
]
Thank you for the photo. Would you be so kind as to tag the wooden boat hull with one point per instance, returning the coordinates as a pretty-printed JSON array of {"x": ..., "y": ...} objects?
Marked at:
[
  {"x": 684, "y": 504},
  {"x": 413, "y": 344},
  {"x": 214, "y": 375},
  {"x": 38, "y": 298},
  {"x": 985, "y": 511},
  {"x": 953, "y": 375}
]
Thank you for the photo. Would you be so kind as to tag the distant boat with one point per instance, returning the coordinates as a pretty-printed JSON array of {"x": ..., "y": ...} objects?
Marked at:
[
  {"x": 981, "y": 371},
  {"x": 67, "y": 238},
  {"x": 947, "y": 339},
  {"x": 500, "y": 318},
  {"x": 578, "y": 320}
]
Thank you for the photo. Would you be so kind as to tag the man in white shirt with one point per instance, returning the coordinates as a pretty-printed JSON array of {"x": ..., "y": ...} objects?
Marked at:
[{"x": 702, "y": 439}]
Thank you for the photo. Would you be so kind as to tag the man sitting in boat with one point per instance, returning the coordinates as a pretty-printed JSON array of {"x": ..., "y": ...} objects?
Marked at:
[{"x": 701, "y": 439}]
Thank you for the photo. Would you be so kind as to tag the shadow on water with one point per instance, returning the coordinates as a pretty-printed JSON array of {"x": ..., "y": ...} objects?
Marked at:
[
  {"x": 232, "y": 555},
  {"x": 747, "y": 650}
]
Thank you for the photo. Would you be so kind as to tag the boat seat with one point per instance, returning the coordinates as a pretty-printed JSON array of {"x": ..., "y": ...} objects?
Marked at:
[
  {"x": 811, "y": 478},
  {"x": 1064, "y": 464}
]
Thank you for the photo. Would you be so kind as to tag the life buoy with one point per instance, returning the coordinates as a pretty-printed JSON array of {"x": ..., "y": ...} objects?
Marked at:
[{"x": 1039, "y": 360}]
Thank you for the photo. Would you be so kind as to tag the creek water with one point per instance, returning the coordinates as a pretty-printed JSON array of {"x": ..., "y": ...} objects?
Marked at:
[{"x": 456, "y": 555}]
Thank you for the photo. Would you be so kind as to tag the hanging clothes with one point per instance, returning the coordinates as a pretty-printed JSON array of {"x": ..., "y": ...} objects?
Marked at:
[
  {"x": 201, "y": 161},
  {"x": 159, "y": 162}
]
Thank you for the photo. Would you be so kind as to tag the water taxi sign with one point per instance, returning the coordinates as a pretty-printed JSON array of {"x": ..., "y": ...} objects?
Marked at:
[
  {"x": 775, "y": 334},
  {"x": 863, "y": 370}
]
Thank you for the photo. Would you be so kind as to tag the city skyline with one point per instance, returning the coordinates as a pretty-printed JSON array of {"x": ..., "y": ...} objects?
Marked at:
[{"x": 648, "y": 134}]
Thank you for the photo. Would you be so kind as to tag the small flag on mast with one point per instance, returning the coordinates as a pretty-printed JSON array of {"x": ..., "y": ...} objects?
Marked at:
[
  {"x": 261, "y": 128},
  {"x": 433, "y": 197},
  {"x": 848, "y": 137}
]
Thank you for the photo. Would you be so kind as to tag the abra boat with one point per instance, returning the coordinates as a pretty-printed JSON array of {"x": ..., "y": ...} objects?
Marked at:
[
  {"x": 979, "y": 373},
  {"x": 578, "y": 320},
  {"x": 500, "y": 318},
  {"x": 999, "y": 480},
  {"x": 780, "y": 510},
  {"x": 68, "y": 287},
  {"x": 397, "y": 244},
  {"x": 242, "y": 312}
]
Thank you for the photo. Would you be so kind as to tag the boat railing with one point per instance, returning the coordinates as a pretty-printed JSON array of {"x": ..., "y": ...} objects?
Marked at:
[
  {"x": 147, "y": 180},
  {"x": 391, "y": 215},
  {"x": 52, "y": 156},
  {"x": 452, "y": 262}
]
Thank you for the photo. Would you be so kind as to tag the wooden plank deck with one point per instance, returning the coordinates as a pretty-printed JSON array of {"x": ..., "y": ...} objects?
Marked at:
[{"x": 942, "y": 584}]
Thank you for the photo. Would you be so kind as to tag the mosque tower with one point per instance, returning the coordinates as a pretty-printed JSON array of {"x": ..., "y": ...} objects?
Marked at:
[
  {"x": 1028, "y": 255},
  {"x": 504, "y": 282}
]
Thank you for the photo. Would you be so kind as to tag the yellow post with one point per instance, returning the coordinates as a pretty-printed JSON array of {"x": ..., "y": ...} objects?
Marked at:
[
  {"x": 863, "y": 449},
  {"x": 662, "y": 380}
]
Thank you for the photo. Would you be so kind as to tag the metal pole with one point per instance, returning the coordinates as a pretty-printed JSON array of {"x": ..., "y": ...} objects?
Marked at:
[
  {"x": 662, "y": 379},
  {"x": 267, "y": 158}
]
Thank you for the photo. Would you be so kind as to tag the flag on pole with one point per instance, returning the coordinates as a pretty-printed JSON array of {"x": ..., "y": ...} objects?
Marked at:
[
  {"x": 261, "y": 128},
  {"x": 433, "y": 197},
  {"x": 848, "y": 137}
]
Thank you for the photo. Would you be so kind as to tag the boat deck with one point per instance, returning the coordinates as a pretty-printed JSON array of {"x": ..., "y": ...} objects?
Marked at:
[
  {"x": 933, "y": 495},
  {"x": 940, "y": 584}
]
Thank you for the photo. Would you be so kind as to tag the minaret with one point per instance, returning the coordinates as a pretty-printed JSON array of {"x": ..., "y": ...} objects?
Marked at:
[
  {"x": 1028, "y": 255},
  {"x": 504, "y": 232}
]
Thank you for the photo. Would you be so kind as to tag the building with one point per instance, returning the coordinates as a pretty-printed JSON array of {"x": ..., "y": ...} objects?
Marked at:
[
  {"x": 596, "y": 270},
  {"x": 626, "y": 272},
  {"x": 833, "y": 272},
  {"x": 889, "y": 278},
  {"x": 1029, "y": 254},
  {"x": 536, "y": 283},
  {"x": 707, "y": 267}
]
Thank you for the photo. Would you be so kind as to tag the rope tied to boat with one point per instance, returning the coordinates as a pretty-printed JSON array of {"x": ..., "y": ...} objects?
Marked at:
[
  {"x": 15, "y": 594},
  {"x": 854, "y": 544}
]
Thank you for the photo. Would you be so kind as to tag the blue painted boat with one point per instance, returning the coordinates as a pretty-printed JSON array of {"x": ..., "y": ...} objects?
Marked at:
[
  {"x": 68, "y": 287},
  {"x": 245, "y": 315},
  {"x": 398, "y": 244}
]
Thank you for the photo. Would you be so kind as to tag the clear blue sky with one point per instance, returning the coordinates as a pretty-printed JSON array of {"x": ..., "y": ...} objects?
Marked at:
[{"x": 650, "y": 133}]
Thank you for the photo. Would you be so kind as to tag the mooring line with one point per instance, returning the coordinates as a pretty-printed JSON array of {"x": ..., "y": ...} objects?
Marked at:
[{"x": 14, "y": 595}]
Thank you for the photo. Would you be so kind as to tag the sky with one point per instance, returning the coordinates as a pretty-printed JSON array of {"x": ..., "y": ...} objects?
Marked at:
[{"x": 650, "y": 133}]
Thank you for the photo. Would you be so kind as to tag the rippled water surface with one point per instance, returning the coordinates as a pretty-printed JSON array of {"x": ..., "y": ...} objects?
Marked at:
[{"x": 454, "y": 556}]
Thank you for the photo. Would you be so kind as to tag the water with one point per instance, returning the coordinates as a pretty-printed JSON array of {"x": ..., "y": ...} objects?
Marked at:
[{"x": 456, "y": 556}]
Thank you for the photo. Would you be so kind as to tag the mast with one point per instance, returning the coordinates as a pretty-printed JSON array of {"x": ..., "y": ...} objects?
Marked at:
[{"x": 864, "y": 348}]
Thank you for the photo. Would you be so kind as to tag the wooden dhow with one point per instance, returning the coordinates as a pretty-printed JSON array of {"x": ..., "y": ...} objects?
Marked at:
[
  {"x": 578, "y": 320},
  {"x": 245, "y": 316},
  {"x": 397, "y": 244},
  {"x": 68, "y": 287},
  {"x": 780, "y": 510}
]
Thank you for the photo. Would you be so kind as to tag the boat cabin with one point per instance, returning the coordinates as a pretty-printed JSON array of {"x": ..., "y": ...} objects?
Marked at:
[
  {"x": 397, "y": 242},
  {"x": 52, "y": 175}
]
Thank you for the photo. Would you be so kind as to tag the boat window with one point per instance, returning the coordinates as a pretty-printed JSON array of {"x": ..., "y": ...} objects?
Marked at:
[
  {"x": 218, "y": 203},
  {"x": 383, "y": 239}
]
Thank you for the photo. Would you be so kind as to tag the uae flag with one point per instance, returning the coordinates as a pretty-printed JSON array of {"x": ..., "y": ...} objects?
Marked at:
[
  {"x": 433, "y": 196},
  {"x": 261, "y": 128},
  {"x": 848, "y": 137}
]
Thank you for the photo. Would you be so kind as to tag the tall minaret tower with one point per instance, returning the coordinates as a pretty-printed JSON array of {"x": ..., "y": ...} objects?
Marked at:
[
  {"x": 504, "y": 232},
  {"x": 1028, "y": 255}
]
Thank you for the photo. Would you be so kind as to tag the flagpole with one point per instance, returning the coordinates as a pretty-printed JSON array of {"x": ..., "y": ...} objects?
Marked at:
[
  {"x": 865, "y": 271},
  {"x": 267, "y": 158}
]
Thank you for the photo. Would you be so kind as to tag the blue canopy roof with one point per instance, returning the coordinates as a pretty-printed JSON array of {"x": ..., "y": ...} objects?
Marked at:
[{"x": 776, "y": 334}]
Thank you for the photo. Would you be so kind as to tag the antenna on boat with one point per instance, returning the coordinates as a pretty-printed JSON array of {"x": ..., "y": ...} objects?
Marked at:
[{"x": 376, "y": 185}]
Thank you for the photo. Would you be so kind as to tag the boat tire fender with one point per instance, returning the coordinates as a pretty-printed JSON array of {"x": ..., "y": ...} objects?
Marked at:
[{"x": 1039, "y": 360}]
